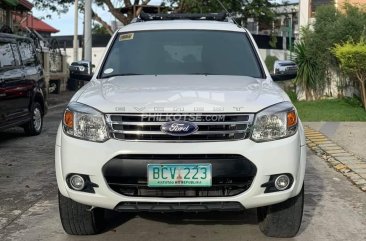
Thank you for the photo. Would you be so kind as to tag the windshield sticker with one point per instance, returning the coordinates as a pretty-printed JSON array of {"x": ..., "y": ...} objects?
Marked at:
[
  {"x": 108, "y": 71},
  {"x": 127, "y": 36}
]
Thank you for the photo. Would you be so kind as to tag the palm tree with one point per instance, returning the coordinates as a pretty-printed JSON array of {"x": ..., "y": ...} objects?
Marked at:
[{"x": 307, "y": 69}]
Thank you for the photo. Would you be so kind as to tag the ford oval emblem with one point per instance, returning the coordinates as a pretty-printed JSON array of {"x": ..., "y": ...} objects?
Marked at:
[{"x": 179, "y": 128}]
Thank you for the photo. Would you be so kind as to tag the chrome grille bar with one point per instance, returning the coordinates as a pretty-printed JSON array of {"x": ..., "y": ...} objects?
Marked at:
[
  {"x": 146, "y": 127},
  {"x": 162, "y": 122},
  {"x": 196, "y": 133}
]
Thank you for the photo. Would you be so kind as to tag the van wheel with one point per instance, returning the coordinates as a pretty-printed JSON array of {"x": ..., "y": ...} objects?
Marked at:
[
  {"x": 78, "y": 219},
  {"x": 34, "y": 126},
  {"x": 282, "y": 220}
]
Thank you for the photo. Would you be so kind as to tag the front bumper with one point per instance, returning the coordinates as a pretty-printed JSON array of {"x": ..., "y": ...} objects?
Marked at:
[{"x": 281, "y": 156}]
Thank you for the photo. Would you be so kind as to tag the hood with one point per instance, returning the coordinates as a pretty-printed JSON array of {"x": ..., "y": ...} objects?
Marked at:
[{"x": 181, "y": 93}]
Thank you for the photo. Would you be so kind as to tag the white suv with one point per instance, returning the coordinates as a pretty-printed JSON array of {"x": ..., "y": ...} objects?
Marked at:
[{"x": 181, "y": 115}]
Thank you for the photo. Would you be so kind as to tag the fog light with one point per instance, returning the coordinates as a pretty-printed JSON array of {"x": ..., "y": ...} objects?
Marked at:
[
  {"x": 282, "y": 182},
  {"x": 77, "y": 182}
]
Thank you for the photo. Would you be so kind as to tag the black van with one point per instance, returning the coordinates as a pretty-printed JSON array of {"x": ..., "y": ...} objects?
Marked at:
[{"x": 23, "y": 92}]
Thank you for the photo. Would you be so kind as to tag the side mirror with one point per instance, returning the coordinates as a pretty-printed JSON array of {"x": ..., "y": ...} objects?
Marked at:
[
  {"x": 284, "y": 76},
  {"x": 284, "y": 70}
]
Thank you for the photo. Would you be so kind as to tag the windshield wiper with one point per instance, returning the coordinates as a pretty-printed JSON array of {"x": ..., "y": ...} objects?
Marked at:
[
  {"x": 199, "y": 73},
  {"x": 124, "y": 74}
]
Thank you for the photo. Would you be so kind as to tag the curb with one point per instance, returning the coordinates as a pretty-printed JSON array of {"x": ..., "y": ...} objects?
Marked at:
[{"x": 342, "y": 161}]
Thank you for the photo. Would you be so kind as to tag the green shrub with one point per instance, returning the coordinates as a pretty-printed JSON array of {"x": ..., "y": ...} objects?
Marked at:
[
  {"x": 308, "y": 70},
  {"x": 353, "y": 101},
  {"x": 292, "y": 95},
  {"x": 332, "y": 26},
  {"x": 269, "y": 61},
  {"x": 352, "y": 59}
]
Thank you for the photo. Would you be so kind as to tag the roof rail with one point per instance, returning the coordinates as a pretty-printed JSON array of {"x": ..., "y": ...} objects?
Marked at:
[{"x": 189, "y": 16}]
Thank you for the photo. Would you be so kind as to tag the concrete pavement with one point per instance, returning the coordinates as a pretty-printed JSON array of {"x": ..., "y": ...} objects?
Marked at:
[
  {"x": 349, "y": 135},
  {"x": 339, "y": 156},
  {"x": 55, "y": 100},
  {"x": 334, "y": 208}
]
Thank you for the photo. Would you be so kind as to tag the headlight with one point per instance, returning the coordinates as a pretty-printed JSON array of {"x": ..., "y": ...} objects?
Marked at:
[
  {"x": 276, "y": 122},
  {"x": 83, "y": 122}
]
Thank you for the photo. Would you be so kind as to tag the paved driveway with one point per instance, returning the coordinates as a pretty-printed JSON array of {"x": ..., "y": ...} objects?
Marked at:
[{"x": 335, "y": 209}]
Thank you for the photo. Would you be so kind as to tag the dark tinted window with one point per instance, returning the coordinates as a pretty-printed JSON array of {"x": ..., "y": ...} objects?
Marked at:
[
  {"x": 184, "y": 52},
  {"x": 6, "y": 56},
  {"x": 16, "y": 53},
  {"x": 27, "y": 53}
]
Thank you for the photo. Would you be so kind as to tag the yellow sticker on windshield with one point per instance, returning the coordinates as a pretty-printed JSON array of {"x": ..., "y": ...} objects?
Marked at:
[{"x": 126, "y": 36}]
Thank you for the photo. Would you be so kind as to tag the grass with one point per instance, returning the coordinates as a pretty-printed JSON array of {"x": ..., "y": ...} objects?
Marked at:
[{"x": 347, "y": 109}]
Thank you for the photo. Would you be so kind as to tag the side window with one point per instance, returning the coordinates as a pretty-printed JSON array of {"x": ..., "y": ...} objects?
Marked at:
[
  {"x": 27, "y": 53},
  {"x": 14, "y": 46},
  {"x": 6, "y": 56}
]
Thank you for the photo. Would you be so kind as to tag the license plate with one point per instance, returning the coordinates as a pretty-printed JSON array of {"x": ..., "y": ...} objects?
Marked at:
[{"x": 179, "y": 175}]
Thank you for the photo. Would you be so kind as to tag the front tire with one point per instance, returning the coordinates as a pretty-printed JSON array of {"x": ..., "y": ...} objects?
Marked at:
[
  {"x": 34, "y": 126},
  {"x": 282, "y": 220},
  {"x": 78, "y": 219}
]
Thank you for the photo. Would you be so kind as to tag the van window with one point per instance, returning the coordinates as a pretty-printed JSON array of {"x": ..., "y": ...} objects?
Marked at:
[
  {"x": 6, "y": 55},
  {"x": 14, "y": 46},
  {"x": 27, "y": 53}
]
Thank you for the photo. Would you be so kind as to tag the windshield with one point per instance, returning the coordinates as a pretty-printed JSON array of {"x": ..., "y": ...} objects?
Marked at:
[{"x": 183, "y": 52}]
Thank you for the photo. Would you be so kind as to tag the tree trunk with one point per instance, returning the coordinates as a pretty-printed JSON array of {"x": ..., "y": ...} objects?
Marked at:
[
  {"x": 115, "y": 11},
  {"x": 139, "y": 10},
  {"x": 363, "y": 93},
  {"x": 180, "y": 7},
  {"x": 97, "y": 18}
]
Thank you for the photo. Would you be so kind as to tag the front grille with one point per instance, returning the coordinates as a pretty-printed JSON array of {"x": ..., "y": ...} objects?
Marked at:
[
  {"x": 291, "y": 68},
  {"x": 231, "y": 175},
  {"x": 211, "y": 127},
  {"x": 221, "y": 187}
]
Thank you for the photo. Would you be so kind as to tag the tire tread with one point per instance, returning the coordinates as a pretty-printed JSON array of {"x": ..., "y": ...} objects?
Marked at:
[
  {"x": 28, "y": 127},
  {"x": 282, "y": 220},
  {"x": 76, "y": 219}
]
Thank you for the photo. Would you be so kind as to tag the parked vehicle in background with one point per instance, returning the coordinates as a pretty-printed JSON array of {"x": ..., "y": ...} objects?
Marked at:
[
  {"x": 285, "y": 67},
  {"x": 80, "y": 71},
  {"x": 23, "y": 95},
  {"x": 182, "y": 115}
]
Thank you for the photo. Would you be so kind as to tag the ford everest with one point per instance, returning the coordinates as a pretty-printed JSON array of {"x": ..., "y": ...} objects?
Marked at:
[{"x": 182, "y": 115}]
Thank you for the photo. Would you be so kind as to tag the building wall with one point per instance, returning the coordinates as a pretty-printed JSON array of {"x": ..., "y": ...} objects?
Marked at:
[
  {"x": 279, "y": 53},
  {"x": 340, "y": 3},
  {"x": 2, "y": 16},
  {"x": 97, "y": 55},
  {"x": 308, "y": 8}
]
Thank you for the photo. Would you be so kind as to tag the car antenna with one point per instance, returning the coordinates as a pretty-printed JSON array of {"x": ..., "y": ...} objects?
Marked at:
[{"x": 227, "y": 12}]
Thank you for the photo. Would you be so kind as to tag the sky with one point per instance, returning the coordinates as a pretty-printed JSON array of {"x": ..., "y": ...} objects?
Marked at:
[{"x": 65, "y": 22}]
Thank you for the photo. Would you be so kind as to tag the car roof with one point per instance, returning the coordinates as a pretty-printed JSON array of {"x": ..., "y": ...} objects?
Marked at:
[{"x": 182, "y": 25}]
